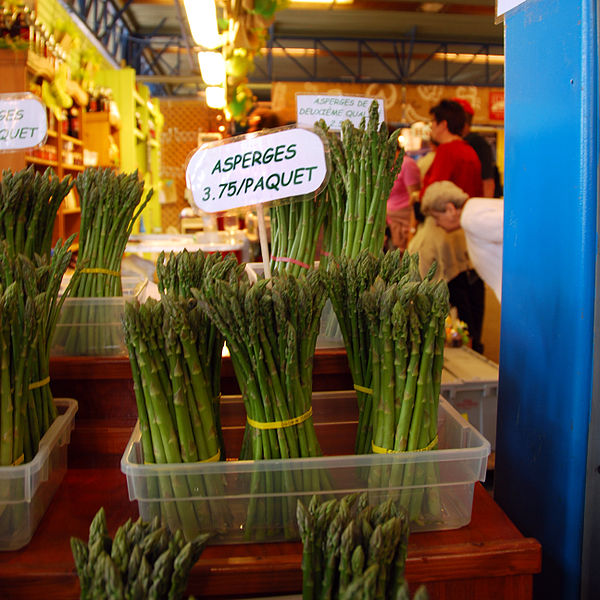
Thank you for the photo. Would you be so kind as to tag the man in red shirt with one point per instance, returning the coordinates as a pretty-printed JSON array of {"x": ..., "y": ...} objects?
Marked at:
[{"x": 455, "y": 160}]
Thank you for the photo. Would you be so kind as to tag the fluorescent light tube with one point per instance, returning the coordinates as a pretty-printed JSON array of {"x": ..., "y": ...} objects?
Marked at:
[
  {"x": 212, "y": 67},
  {"x": 202, "y": 17},
  {"x": 215, "y": 97}
]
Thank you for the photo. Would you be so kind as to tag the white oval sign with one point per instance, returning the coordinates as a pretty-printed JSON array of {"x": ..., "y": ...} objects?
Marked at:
[
  {"x": 23, "y": 122},
  {"x": 334, "y": 109},
  {"x": 257, "y": 169}
]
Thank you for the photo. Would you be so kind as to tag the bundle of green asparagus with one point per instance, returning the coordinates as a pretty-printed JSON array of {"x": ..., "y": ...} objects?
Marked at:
[
  {"x": 177, "y": 275},
  {"x": 175, "y": 405},
  {"x": 363, "y": 587},
  {"x": 352, "y": 550},
  {"x": 175, "y": 357},
  {"x": 366, "y": 162},
  {"x": 271, "y": 327},
  {"x": 29, "y": 308},
  {"x": 407, "y": 335},
  {"x": 29, "y": 203},
  {"x": 295, "y": 228},
  {"x": 110, "y": 205},
  {"x": 173, "y": 393},
  {"x": 346, "y": 279},
  {"x": 143, "y": 561}
]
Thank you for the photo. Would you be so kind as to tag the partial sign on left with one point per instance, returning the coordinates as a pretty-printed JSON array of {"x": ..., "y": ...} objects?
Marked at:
[{"x": 23, "y": 122}]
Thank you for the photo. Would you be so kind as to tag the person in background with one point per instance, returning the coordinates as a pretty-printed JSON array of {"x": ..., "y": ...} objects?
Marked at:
[
  {"x": 454, "y": 159},
  {"x": 481, "y": 147},
  {"x": 482, "y": 221},
  {"x": 441, "y": 239},
  {"x": 399, "y": 210},
  {"x": 262, "y": 118},
  {"x": 426, "y": 160}
]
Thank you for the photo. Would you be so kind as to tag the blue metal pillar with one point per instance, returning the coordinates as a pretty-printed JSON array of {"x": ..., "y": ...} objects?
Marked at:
[{"x": 548, "y": 296}]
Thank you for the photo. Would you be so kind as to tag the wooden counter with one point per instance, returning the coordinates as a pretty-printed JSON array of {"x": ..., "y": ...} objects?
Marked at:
[
  {"x": 107, "y": 412},
  {"x": 488, "y": 559}
]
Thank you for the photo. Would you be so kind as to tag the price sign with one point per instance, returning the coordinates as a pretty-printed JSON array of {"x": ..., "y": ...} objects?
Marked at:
[
  {"x": 22, "y": 122},
  {"x": 257, "y": 168},
  {"x": 334, "y": 109}
]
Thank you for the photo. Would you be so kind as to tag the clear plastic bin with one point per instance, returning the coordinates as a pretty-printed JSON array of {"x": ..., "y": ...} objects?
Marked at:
[
  {"x": 26, "y": 490},
  {"x": 129, "y": 285},
  {"x": 256, "y": 500},
  {"x": 470, "y": 384},
  {"x": 90, "y": 327},
  {"x": 93, "y": 326}
]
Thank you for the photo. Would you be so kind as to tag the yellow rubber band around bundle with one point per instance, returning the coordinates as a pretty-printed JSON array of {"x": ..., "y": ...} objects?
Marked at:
[
  {"x": 215, "y": 458},
  {"x": 380, "y": 450},
  {"x": 19, "y": 460},
  {"x": 364, "y": 390},
  {"x": 103, "y": 271},
  {"x": 278, "y": 424},
  {"x": 39, "y": 384}
]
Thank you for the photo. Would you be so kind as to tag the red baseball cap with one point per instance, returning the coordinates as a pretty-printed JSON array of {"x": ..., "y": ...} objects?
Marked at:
[{"x": 465, "y": 104}]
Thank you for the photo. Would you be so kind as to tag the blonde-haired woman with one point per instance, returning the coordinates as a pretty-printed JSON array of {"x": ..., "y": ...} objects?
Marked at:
[{"x": 441, "y": 239}]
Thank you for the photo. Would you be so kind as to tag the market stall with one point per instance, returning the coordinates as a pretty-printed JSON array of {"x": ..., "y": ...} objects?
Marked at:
[
  {"x": 251, "y": 448},
  {"x": 214, "y": 407}
]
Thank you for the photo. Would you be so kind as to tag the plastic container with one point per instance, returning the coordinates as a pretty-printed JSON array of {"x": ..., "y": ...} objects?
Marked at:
[
  {"x": 26, "y": 490},
  {"x": 92, "y": 326},
  {"x": 129, "y": 285},
  {"x": 256, "y": 500},
  {"x": 151, "y": 244},
  {"x": 470, "y": 384},
  {"x": 330, "y": 334}
]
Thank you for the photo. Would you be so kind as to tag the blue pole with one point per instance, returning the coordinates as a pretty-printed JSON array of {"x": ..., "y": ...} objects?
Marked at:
[{"x": 550, "y": 238}]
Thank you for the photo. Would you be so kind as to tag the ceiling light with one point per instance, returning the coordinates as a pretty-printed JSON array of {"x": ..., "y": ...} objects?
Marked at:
[
  {"x": 465, "y": 57},
  {"x": 295, "y": 52},
  {"x": 215, "y": 97},
  {"x": 202, "y": 17},
  {"x": 321, "y": 1},
  {"x": 432, "y": 7},
  {"x": 212, "y": 67}
]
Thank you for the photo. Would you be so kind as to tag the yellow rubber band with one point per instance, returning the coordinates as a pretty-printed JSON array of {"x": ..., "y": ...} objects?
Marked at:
[
  {"x": 39, "y": 384},
  {"x": 214, "y": 458},
  {"x": 19, "y": 460},
  {"x": 364, "y": 390},
  {"x": 429, "y": 446},
  {"x": 278, "y": 424},
  {"x": 103, "y": 271},
  {"x": 380, "y": 450}
]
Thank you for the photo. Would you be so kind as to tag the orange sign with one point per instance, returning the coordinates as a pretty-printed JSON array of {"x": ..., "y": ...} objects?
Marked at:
[{"x": 496, "y": 105}]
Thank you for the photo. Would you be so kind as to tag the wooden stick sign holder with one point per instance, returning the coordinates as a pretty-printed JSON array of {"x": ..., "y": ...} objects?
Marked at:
[
  {"x": 284, "y": 164},
  {"x": 264, "y": 242}
]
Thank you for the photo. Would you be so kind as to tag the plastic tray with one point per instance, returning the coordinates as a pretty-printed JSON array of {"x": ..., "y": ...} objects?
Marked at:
[
  {"x": 26, "y": 490},
  {"x": 93, "y": 326},
  {"x": 227, "y": 498},
  {"x": 129, "y": 285},
  {"x": 470, "y": 384},
  {"x": 90, "y": 327}
]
